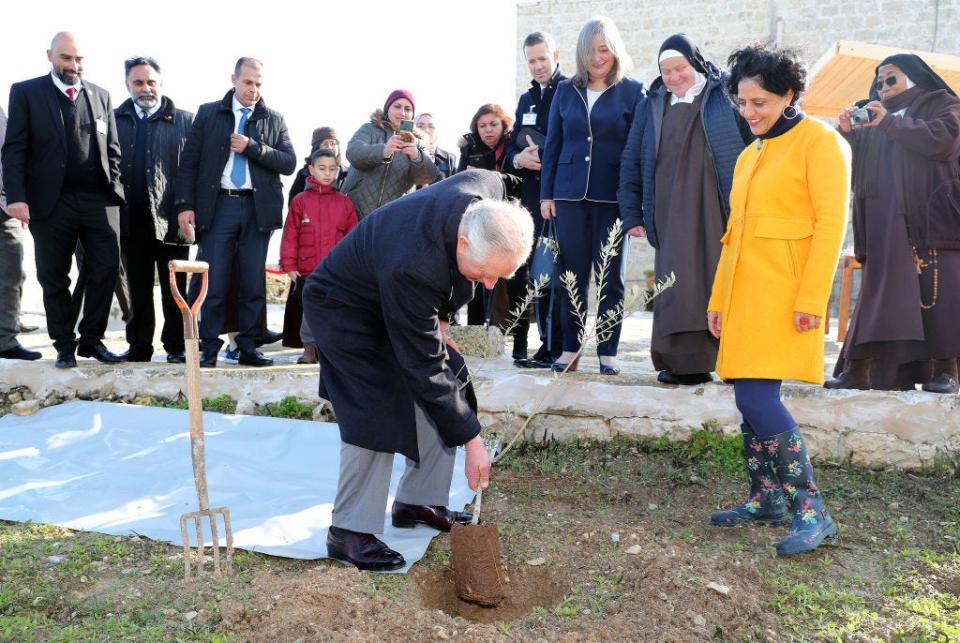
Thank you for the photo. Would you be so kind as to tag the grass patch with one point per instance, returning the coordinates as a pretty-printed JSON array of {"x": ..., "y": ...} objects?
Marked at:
[{"x": 288, "y": 407}]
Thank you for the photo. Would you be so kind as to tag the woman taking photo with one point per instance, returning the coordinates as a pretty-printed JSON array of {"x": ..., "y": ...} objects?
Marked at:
[
  {"x": 386, "y": 162},
  {"x": 675, "y": 181},
  {"x": 788, "y": 214},
  {"x": 590, "y": 119}
]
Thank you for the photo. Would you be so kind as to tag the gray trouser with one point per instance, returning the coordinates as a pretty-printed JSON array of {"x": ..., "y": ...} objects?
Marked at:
[
  {"x": 11, "y": 280},
  {"x": 305, "y": 335},
  {"x": 364, "y": 484}
]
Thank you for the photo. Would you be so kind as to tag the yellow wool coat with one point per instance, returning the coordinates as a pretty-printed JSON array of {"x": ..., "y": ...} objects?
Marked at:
[{"x": 788, "y": 216}]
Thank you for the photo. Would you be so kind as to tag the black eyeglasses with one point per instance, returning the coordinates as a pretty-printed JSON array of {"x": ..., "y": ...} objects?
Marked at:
[{"x": 889, "y": 80}]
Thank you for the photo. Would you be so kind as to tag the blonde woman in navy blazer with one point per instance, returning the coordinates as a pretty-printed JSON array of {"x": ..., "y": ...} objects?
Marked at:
[{"x": 589, "y": 122}]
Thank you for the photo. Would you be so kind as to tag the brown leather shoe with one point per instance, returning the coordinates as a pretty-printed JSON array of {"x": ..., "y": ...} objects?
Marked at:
[
  {"x": 407, "y": 516},
  {"x": 855, "y": 376},
  {"x": 365, "y": 551},
  {"x": 309, "y": 355}
]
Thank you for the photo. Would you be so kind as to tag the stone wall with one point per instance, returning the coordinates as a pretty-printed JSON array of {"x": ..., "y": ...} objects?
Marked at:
[{"x": 810, "y": 26}]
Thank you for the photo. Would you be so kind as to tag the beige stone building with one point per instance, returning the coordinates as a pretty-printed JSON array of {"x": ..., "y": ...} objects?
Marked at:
[{"x": 720, "y": 26}]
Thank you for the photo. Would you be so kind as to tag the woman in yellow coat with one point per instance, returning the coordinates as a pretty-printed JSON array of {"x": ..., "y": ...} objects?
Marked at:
[{"x": 788, "y": 214}]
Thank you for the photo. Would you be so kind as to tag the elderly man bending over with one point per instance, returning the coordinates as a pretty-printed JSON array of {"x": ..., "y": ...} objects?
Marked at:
[{"x": 378, "y": 306}]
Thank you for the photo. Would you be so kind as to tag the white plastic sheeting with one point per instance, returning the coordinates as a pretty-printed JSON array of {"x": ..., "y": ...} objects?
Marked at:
[{"x": 123, "y": 470}]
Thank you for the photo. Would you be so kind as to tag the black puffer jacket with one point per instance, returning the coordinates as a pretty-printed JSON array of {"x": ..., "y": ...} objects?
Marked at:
[
  {"x": 269, "y": 153},
  {"x": 168, "y": 135}
]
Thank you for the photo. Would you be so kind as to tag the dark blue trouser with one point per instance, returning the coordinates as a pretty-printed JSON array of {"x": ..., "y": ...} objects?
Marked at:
[
  {"x": 234, "y": 239},
  {"x": 582, "y": 229},
  {"x": 762, "y": 409}
]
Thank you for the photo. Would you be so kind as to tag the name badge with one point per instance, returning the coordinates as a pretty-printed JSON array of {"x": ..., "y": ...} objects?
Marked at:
[
  {"x": 101, "y": 126},
  {"x": 530, "y": 118}
]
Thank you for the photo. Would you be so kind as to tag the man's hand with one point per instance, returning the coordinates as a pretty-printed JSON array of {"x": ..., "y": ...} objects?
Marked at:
[
  {"x": 637, "y": 231},
  {"x": 20, "y": 211},
  {"x": 238, "y": 143},
  {"x": 477, "y": 465},
  {"x": 447, "y": 337},
  {"x": 528, "y": 158},
  {"x": 393, "y": 145},
  {"x": 294, "y": 275},
  {"x": 805, "y": 321},
  {"x": 548, "y": 209},
  {"x": 185, "y": 220},
  {"x": 714, "y": 323}
]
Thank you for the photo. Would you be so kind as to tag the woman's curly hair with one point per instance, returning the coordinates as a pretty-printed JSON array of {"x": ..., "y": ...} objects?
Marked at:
[{"x": 776, "y": 70}]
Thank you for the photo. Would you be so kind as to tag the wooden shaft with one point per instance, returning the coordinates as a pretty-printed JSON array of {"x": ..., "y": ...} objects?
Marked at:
[{"x": 195, "y": 405}]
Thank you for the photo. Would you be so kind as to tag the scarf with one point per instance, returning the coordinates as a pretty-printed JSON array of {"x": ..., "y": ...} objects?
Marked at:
[
  {"x": 783, "y": 125},
  {"x": 902, "y": 100}
]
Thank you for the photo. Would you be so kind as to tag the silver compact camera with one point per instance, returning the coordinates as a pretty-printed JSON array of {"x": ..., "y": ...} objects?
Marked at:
[{"x": 861, "y": 116}]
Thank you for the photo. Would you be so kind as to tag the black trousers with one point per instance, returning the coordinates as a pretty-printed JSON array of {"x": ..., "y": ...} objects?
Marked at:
[
  {"x": 93, "y": 221},
  {"x": 517, "y": 289},
  {"x": 234, "y": 242},
  {"x": 143, "y": 256}
]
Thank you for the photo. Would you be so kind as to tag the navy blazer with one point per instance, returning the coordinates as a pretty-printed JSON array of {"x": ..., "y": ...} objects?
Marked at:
[
  {"x": 581, "y": 157},
  {"x": 538, "y": 101}
]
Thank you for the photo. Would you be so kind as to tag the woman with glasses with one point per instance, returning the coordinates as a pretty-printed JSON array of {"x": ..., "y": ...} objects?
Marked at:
[{"x": 906, "y": 224}]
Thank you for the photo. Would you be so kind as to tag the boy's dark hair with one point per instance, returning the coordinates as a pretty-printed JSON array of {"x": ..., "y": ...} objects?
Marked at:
[
  {"x": 776, "y": 70},
  {"x": 322, "y": 153}
]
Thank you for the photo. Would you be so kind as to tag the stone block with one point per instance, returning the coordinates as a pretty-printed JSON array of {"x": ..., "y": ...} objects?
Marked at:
[
  {"x": 25, "y": 407},
  {"x": 478, "y": 341}
]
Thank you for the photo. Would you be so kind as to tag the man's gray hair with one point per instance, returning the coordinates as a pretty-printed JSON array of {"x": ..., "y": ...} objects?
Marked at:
[
  {"x": 497, "y": 227},
  {"x": 610, "y": 36}
]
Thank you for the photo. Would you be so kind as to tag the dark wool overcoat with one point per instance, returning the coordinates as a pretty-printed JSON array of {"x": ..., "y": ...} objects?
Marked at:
[{"x": 373, "y": 307}]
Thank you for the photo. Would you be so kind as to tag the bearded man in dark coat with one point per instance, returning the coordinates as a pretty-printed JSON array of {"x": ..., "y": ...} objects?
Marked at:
[
  {"x": 906, "y": 223},
  {"x": 377, "y": 306}
]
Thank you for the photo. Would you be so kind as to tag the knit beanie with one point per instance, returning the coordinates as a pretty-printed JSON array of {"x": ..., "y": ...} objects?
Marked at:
[{"x": 399, "y": 93}]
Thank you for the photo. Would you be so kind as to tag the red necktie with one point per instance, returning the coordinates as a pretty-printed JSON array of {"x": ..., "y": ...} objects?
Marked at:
[{"x": 72, "y": 93}]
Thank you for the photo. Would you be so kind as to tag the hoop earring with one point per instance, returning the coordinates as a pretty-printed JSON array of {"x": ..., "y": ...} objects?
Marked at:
[{"x": 793, "y": 112}]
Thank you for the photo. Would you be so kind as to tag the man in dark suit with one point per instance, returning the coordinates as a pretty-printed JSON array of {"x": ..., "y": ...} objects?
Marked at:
[
  {"x": 523, "y": 159},
  {"x": 228, "y": 189},
  {"x": 376, "y": 306},
  {"x": 61, "y": 166},
  {"x": 152, "y": 133},
  {"x": 11, "y": 274}
]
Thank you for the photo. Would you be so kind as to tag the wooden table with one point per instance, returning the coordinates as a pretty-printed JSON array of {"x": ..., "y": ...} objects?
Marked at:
[{"x": 846, "y": 266}]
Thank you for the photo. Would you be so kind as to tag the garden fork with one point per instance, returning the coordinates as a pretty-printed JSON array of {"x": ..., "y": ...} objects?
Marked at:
[{"x": 192, "y": 345}]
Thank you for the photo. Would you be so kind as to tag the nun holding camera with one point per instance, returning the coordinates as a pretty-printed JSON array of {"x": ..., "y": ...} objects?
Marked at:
[{"x": 906, "y": 223}]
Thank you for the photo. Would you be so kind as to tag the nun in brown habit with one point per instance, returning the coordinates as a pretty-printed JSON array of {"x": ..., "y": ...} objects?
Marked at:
[
  {"x": 675, "y": 179},
  {"x": 906, "y": 224}
]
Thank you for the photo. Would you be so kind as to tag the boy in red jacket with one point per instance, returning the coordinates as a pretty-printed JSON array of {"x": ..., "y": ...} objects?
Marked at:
[{"x": 319, "y": 217}]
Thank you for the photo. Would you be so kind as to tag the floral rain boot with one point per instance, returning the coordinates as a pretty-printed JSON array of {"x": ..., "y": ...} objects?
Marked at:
[
  {"x": 765, "y": 504},
  {"x": 811, "y": 522}
]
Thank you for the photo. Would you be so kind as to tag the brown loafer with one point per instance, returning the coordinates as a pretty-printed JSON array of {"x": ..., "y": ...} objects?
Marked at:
[
  {"x": 365, "y": 551},
  {"x": 407, "y": 516}
]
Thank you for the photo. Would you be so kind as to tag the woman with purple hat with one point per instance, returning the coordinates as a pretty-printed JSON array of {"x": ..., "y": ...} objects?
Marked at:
[{"x": 386, "y": 156}]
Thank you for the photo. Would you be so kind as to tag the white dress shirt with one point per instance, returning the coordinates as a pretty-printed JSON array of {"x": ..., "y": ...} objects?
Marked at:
[
  {"x": 225, "y": 181},
  {"x": 63, "y": 86},
  {"x": 149, "y": 112}
]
